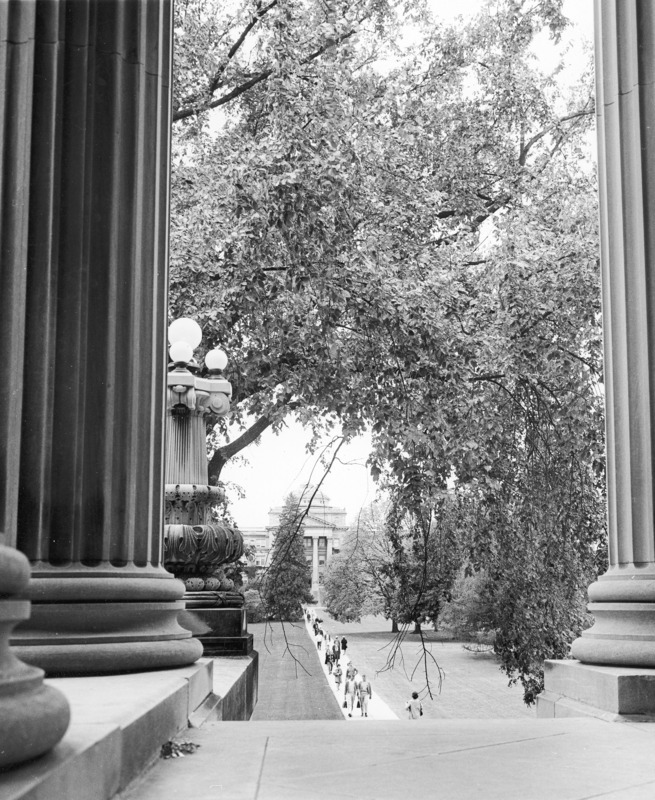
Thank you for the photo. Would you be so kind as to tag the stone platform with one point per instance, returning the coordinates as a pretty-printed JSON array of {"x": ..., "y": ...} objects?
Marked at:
[
  {"x": 120, "y": 722},
  {"x": 509, "y": 759},
  {"x": 615, "y": 694}
]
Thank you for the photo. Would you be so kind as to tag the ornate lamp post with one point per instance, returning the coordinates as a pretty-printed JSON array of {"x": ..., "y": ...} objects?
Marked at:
[{"x": 195, "y": 545}]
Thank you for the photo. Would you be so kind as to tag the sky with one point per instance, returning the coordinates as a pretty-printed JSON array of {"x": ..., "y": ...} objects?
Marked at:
[{"x": 279, "y": 464}]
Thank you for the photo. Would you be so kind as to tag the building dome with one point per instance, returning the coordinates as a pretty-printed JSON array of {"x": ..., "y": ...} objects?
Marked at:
[{"x": 305, "y": 493}]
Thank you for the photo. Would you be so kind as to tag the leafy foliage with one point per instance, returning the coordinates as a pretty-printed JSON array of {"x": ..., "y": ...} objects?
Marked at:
[
  {"x": 397, "y": 563},
  {"x": 285, "y": 584},
  {"x": 403, "y": 237}
]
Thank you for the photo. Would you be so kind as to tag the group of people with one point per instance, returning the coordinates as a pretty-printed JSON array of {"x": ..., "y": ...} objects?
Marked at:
[{"x": 357, "y": 689}]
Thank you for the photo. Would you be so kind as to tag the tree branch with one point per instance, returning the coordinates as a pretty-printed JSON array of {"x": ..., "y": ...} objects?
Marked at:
[
  {"x": 189, "y": 111},
  {"x": 223, "y": 454},
  {"x": 261, "y": 12},
  {"x": 525, "y": 149}
]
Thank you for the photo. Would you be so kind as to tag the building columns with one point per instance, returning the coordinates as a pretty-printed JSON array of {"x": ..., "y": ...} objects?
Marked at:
[
  {"x": 315, "y": 575},
  {"x": 33, "y": 716},
  {"x": 623, "y": 600},
  {"x": 90, "y": 504}
]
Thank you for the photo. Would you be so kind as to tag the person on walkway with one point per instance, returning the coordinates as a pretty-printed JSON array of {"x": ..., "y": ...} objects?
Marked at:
[
  {"x": 350, "y": 671},
  {"x": 338, "y": 673},
  {"x": 315, "y": 626},
  {"x": 414, "y": 707},
  {"x": 365, "y": 694},
  {"x": 319, "y": 639},
  {"x": 357, "y": 678},
  {"x": 336, "y": 649},
  {"x": 349, "y": 693},
  {"x": 328, "y": 659},
  {"x": 344, "y": 644}
]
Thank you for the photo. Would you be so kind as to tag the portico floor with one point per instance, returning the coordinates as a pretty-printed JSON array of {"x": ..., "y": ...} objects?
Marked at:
[
  {"x": 517, "y": 758},
  {"x": 511, "y": 759}
]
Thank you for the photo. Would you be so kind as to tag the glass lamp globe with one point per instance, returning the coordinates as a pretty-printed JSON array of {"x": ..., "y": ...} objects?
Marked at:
[
  {"x": 180, "y": 352},
  {"x": 216, "y": 360},
  {"x": 185, "y": 330}
]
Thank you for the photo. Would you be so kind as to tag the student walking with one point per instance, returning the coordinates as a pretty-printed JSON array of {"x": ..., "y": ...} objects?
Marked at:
[
  {"x": 336, "y": 649},
  {"x": 365, "y": 694},
  {"x": 328, "y": 659},
  {"x": 344, "y": 644},
  {"x": 414, "y": 707},
  {"x": 337, "y": 676},
  {"x": 319, "y": 639},
  {"x": 349, "y": 695}
]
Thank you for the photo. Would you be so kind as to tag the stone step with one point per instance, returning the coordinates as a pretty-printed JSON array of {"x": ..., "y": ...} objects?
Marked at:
[{"x": 120, "y": 722}]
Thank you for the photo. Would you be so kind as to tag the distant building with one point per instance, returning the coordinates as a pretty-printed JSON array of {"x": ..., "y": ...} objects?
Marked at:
[{"x": 325, "y": 527}]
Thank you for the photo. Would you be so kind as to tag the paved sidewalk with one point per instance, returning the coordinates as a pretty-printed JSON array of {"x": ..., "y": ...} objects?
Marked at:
[
  {"x": 291, "y": 680},
  {"x": 377, "y": 707}
]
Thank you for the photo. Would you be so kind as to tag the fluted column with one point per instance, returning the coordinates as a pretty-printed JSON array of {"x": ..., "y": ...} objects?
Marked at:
[
  {"x": 623, "y": 600},
  {"x": 91, "y": 458},
  {"x": 33, "y": 716},
  {"x": 315, "y": 576}
]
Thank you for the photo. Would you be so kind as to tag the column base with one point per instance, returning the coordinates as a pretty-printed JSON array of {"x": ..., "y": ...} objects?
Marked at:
[
  {"x": 615, "y": 694},
  {"x": 623, "y": 635},
  {"x": 106, "y": 622},
  {"x": 110, "y": 658}
]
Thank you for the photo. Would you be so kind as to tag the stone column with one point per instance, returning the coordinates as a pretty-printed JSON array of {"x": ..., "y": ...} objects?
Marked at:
[
  {"x": 315, "y": 577},
  {"x": 33, "y": 717},
  {"x": 91, "y": 459},
  {"x": 615, "y": 673},
  {"x": 623, "y": 600}
]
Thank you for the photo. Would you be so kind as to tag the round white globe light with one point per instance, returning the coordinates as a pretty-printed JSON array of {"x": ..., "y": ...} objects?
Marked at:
[
  {"x": 216, "y": 360},
  {"x": 180, "y": 352},
  {"x": 185, "y": 330}
]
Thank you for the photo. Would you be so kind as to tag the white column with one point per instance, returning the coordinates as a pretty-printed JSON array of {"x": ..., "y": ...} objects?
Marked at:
[
  {"x": 315, "y": 580},
  {"x": 623, "y": 600}
]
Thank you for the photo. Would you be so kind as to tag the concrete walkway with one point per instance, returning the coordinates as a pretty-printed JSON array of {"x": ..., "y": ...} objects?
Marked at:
[
  {"x": 377, "y": 708},
  {"x": 463, "y": 684}
]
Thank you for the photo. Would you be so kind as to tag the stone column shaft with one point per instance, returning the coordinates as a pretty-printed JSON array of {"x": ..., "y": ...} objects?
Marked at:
[
  {"x": 623, "y": 600},
  {"x": 91, "y": 459},
  {"x": 33, "y": 716}
]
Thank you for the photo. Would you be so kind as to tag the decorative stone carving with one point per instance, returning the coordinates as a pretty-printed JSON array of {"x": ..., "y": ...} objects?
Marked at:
[
  {"x": 191, "y": 504},
  {"x": 195, "y": 550}
]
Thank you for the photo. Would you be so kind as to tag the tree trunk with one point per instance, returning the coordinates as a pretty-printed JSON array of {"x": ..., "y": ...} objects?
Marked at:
[
  {"x": 223, "y": 454},
  {"x": 417, "y": 627},
  {"x": 394, "y": 626}
]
